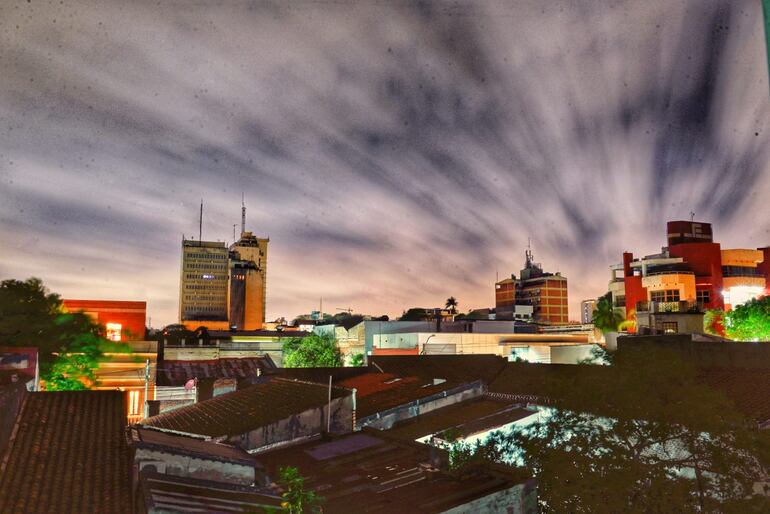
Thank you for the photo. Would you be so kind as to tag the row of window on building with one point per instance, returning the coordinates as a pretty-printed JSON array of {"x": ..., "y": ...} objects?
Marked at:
[
  {"x": 204, "y": 265},
  {"x": 206, "y": 256}
]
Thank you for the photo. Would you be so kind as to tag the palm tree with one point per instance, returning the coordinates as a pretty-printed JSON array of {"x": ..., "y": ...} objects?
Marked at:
[
  {"x": 606, "y": 318},
  {"x": 451, "y": 304}
]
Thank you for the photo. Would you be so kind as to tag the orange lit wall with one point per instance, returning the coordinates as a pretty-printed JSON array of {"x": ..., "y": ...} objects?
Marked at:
[{"x": 129, "y": 315}]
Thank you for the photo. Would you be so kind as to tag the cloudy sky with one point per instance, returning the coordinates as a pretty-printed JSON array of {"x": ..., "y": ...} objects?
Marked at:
[{"x": 396, "y": 152}]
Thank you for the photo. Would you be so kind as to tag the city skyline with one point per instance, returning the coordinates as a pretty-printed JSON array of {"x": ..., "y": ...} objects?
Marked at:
[{"x": 395, "y": 154}]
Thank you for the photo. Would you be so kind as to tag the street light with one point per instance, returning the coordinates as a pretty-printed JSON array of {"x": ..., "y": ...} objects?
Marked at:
[{"x": 425, "y": 343}]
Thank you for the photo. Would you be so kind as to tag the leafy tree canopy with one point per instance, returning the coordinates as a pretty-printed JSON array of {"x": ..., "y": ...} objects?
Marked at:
[
  {"x": 70, "y": 345},
  {"x": 312, "y": 351},
  {"x": 451, "y": 304},
  {"x": 606, "y": 318},
  {"x": 641, "y": 435},
  {"x": 417, "y": 314},
  {"x": 750, "y": 321},
  {"x": 297, "y": 500}
]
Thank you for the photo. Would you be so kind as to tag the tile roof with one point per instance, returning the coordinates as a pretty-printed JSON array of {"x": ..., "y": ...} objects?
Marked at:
[
  {"x": 69, "y": 455},
  {"x": 244, "y": 410},
  {"x": 180, "y": 444},
  {"x": 177, "y": 372},
  {"x": 378, "y": 392},
  {"x": 368, "y": 472},
  {"x": 167, "y": 493},
  {"x": 453, "y": 368},
  {"x": 468, "y": 418}
]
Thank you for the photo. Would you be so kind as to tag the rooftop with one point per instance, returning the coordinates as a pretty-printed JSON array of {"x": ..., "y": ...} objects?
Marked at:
[
  {"x": 368, "y": 472},
  {"x": 177, "y": 372},
  {"x": 244, "y": 410},
  {"x": 192, "y": 446},
  {"x": 167, "y": 493},
  {"x": 69, "y": 455},
  {"x": 378, "y": 392},
  {"x": 453, "y": 368}
]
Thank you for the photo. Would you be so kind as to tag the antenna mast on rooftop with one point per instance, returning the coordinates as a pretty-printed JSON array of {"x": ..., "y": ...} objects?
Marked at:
[
  {"x": 692, "y": 216},
  {"x": 243, "y": 214},
  {"x": 528, "y": 254},
  {"x": 200, "y": 226}
]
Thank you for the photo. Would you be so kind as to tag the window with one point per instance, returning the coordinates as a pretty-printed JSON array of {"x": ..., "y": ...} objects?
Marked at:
[
  {"x": 669, "y": 295},
  {"x": 114, "y": 331},
  {"x": 703, "y": 296},
  {"x": 133, "y": 403},
  {"x": 620, "y": 301}
]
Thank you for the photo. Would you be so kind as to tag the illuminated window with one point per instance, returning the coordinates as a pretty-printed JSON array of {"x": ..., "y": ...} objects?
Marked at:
[
  {"x": 133, "y": 403},
  {"x": 114, "y": 331},
  {"x": 669, "y": 295}
]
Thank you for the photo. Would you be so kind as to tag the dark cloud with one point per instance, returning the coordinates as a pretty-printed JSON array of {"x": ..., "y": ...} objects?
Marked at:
[{"x": 396, "y": 153}]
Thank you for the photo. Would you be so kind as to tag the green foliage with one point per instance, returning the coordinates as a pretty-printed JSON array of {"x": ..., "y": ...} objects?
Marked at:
[
  {"x": 70, "y": 346},
  {"x": 357, "y": 359},
  {"x": 606, "y": 318},
  {"x": 713, "y": 322},
  {"x": 297, "y": 499},
  {"x": 416, "y": 314},
  {"x": 641, "y": 435},
  {"x": 313, "y": 351},
  {"x": 750, "y": 321},
  {"x": 451, "y": 304}
]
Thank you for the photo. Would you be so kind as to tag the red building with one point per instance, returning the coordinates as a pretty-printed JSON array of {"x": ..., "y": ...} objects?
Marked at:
[
  {"x": 122, "y": 321},
  {"x": 692, "y": 268}
]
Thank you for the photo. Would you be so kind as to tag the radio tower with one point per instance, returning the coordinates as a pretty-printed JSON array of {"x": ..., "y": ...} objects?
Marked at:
[{"x": 243, "y": 214}]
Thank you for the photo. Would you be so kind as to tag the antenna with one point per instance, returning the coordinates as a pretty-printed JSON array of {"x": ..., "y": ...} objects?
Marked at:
[
  {"x": 243, "y": 214},
  {"x": 692, "y": 216},
  {"x": 234, "y": 225},
  {"x": 200, "y": 226},
  {"x": 528, "y": 254}
]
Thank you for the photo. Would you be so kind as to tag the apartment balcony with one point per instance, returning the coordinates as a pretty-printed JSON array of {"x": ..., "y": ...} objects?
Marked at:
[{"x": 658, "y": 307}]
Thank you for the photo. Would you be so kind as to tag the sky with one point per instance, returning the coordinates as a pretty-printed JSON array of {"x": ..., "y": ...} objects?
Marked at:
[{"x": 395, "y": 152}]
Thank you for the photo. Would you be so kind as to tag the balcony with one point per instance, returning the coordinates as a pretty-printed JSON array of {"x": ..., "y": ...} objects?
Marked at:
[{"x": 658, "y": 307}]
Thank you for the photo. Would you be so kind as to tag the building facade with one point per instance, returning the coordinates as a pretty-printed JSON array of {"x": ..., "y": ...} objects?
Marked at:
[
  {"x": 223, "y": 288},
  {"x": 122, "y": 321},
  {"x": 204, "y": 283},
  {"x": 691, "y": 273},
  {"x": 587, "y": 308},
  {"x": 545, "y": 292}
]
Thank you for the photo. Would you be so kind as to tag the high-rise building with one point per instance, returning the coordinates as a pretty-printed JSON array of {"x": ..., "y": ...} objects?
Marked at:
[
  {"x": 546, "y": 292},
  {"x": 692, "y": 269},
  {"x": 248, "y": 284},
  {"x": 224, "y": 288},
  {"x": 203, "y": 288},
  {"x": 587, "y": 308}
]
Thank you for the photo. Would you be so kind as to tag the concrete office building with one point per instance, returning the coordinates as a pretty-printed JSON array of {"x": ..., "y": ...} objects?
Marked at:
[
  {"x": 223, "y": 288},
  {"x": 204, "y": 283}
]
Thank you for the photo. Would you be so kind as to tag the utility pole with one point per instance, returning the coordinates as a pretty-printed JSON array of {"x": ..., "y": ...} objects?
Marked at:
[
  {"x": 329, "y": 408},
  {"x": 766, "y": 11},
  {"x": 200, "y": 226},
  {"x": 146, "y": 388}
]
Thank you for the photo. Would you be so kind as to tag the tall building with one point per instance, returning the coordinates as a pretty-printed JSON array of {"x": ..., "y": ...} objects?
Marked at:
[
  {"x": 587, "y": 308},
  {"x": 692, "y": 269},
  {"x": 224, "y": 288},
  {"x": 546, "y": 292},
  {"x": 204, "y": 284},
  {"x": 248, "y": 283}
]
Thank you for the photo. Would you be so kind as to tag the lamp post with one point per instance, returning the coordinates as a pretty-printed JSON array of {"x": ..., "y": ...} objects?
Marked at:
[{"x": 425, "y": 344}]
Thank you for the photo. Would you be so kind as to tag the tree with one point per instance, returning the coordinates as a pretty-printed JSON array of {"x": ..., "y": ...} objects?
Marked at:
[
  {"x": 296, "y": 499},
  {"x": 357, "y": 359},
  {"x": 640, "y": 435},
  {"x": 451, "y": 304},
  {"x": 313, "y": 351},
  {"x": 713, "y": 322},
  {"x": 606, "y": 318},
  {"x": 70, "y": 345},
  {"x": 750, "y": 321},
  {"x": 416, "y": 314}
]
